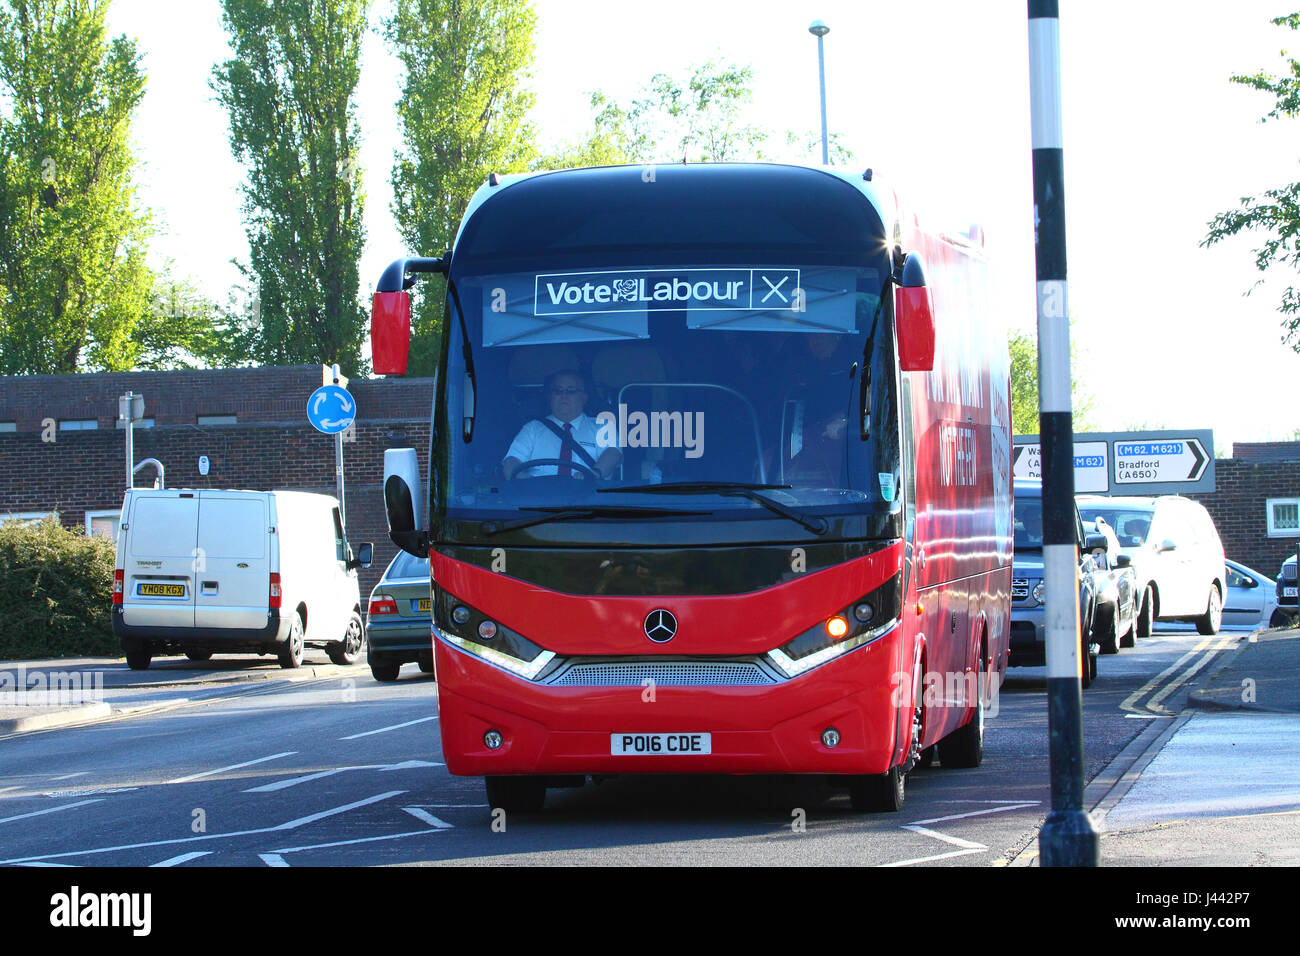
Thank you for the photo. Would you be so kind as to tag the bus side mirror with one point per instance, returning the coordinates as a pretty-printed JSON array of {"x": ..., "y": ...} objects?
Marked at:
[
  {"x": 914, "y": 310},
  {"x": 402, "y": 496},
  {"x": 390, "y": 332}
]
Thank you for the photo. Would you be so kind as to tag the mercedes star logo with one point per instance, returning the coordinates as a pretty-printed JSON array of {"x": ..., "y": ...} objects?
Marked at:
[{"x": 660, "y": 626}]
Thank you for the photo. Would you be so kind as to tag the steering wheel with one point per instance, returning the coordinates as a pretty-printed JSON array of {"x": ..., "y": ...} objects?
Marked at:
[{"x": 525, "y": 465}]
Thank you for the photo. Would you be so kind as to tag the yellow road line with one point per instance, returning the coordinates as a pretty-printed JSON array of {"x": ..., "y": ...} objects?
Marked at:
[{"x": 1154, "y": 682}]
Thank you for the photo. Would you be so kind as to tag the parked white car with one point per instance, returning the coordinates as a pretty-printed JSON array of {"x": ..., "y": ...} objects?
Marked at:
[
  {"x": 1176, "y": 554},
  {"x": 206, "y": 571}
]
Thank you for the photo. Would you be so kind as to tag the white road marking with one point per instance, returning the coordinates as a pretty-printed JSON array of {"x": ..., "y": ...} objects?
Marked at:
[
  {"x": 931, "y": 859},
  {"x": 978, "y": 813},
  {"x": 272, "y": 859},
  {"x": 382, "y": 730},
  {"x": 37, "y": 813},
  {"x": 294, "y": 781},
  {"x": 413, "y": 765},
  {"x": 373, "y": 839},
  {"x": 233, "y": 766},
  {"x": 428, "y": 818},
  {"x": 86, "y": 793},
  {"x": 183, "y": 858},
  {"x": 290, "y": 825},
  {"x": 955, "y": 841},
  {"x": 39, "y": 863},
  {"x": 452, "y": 806}
]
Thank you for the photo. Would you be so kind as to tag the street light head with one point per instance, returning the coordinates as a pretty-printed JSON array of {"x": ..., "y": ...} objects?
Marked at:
[{"x": 818, "y": 29}]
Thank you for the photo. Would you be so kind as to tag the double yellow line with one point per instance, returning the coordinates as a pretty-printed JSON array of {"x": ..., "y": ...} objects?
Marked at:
[{"x": 1163, "y": 685}]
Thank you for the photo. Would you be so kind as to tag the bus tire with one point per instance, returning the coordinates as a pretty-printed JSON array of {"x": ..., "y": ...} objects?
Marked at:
[
  {"x": 878, "y": 792},
  {"x": 964, "y": 747},
  {"x": 517, "y": 794}
]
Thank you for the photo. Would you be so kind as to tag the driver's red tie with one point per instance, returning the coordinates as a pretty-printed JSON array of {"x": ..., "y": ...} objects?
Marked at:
[{"x": 566, "y": 452}]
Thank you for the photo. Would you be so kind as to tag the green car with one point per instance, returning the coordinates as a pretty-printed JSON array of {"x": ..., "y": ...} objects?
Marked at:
[{"x": 398, "y": 618}]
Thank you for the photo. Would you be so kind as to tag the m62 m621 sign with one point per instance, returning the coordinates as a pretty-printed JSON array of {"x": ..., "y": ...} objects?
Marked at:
[{"x": 1130, "y": 463}]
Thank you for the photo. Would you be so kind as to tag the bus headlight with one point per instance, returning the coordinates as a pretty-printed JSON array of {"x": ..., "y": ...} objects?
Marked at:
[
  {"x": 470, "y": 630},
  {"x": 842, "y": 632}
]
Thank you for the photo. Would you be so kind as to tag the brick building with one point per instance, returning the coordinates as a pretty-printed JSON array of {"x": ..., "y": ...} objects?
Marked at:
[{"x": 61, "y": 449}]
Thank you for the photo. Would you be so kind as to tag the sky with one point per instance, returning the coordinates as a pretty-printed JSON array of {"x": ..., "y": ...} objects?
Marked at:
[{"x": 934, "y": 97}]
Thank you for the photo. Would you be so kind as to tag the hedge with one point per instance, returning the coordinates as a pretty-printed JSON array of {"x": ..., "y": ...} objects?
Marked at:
[{"x": 56, "y": 592}]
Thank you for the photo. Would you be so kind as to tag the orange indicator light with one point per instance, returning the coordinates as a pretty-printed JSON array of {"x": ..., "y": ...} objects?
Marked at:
[{"x": 837, "y": 627}]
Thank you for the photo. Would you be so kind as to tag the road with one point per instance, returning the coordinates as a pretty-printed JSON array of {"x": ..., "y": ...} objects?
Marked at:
[{"x": 342, "y": 770}]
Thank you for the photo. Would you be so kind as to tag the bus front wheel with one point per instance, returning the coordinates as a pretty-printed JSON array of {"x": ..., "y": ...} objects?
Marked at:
[
  {"x": 878, "y": 793},
  {"x": 520, "y": 794}
]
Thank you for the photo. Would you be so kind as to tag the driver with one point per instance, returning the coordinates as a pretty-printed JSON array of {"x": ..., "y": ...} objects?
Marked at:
[{"x": 566, "y": 393}]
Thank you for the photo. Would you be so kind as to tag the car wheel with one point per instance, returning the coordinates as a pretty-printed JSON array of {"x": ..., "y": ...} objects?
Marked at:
[
  {"x": 1208, "y": 623},
  {"x": 1109, "y": 638},
  {"x": 384, "y": 671},
  {"x": 139, "y": 660},
  {"x": 290, "y": 652},
  {"x": 198, "y": 655},
  {"x": 1088, "y": 668},
  {"x": 349, "y": 649},
  {"x": 517, "y": 794},
  {"x": 1130, "y": 636},
  {"x": 1146, "y": 613}
]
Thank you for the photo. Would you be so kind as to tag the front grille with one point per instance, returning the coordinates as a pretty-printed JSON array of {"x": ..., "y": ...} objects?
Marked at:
[{"x": 662, "y": 673}]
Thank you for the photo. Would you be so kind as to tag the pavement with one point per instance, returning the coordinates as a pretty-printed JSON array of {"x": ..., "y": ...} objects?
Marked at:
[
  {"x": 1216, "y": 785},
  {"x": 64, "y": 692}
]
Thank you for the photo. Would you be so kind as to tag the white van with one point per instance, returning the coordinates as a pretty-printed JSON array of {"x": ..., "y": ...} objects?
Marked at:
[{"x": 205, "y": 571}]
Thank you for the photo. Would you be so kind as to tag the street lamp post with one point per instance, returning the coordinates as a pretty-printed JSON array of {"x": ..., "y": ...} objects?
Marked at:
[{"x": 819, "y": 29}]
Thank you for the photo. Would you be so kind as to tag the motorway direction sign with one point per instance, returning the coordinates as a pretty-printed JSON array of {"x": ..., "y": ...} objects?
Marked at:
[
  {"x": 1090, "y": 471},
  {"x": 331, "y": 409},
  {"x": 1130, "y": 463},
  {"x": 1162, "y": 460}
]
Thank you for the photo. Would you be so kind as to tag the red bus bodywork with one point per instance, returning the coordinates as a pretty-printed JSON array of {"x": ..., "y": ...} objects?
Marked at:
[{"x": 954, "y": 623}]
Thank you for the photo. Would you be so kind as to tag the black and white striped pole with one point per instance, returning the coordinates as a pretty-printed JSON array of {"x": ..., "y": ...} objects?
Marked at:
[{"x": 1068, "y": 837}]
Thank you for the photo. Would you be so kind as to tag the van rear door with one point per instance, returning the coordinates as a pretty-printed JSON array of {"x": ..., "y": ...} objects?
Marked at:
[
  {"x": 233, "y": 561},
  {"x": 158, "y": 564}
]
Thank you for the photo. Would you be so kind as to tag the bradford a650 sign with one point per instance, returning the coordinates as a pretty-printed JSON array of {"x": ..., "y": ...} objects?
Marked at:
[{"x": 1130, "y": 463}]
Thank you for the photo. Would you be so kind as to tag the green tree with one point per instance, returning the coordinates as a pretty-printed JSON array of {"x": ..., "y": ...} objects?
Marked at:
[
  {"x": 75, "y": 287},
  {"x": 462, "y": 114},
  {"x": 289, "y": 90},
  {"x": 1276, "y": 213},
  {"x": 1023, "y": 348},
  {"x": 703, "y": 118}
]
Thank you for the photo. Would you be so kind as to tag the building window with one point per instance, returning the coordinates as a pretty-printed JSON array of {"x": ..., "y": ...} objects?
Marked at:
[
  {"x": 140, "y": 423},
  {"x": 1283, "y": 517},
  {"x": 217, "y": 420},
  {"x": 8, "y": 426},
  {"x": 26, "y": 517},
  {"x": 78, "y": 424},
  {"x": 104, "y": 523}
]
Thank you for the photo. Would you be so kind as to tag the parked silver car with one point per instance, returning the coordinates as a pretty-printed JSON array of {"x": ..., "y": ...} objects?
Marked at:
[
  {"x": 1252, "y": 597},
  {"x": 398, "y": 618},
  {"x": 1114, "y": 622}
]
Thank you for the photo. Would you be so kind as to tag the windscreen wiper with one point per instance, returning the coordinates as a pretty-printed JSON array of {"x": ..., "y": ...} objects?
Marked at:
[
  {"x": 565, "y": 514},
  {"x": 733, "y": 489}
]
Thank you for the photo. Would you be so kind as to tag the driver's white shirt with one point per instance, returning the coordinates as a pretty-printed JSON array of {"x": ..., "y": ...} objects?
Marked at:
[{"x": 535, "y": 440}]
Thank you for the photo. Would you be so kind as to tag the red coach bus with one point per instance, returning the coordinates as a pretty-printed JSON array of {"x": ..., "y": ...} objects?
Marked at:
[{"x": 719, "y": 481}]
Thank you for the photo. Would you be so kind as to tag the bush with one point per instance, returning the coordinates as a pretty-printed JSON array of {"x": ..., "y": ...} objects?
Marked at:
[{"x": 56, "y": 592}]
